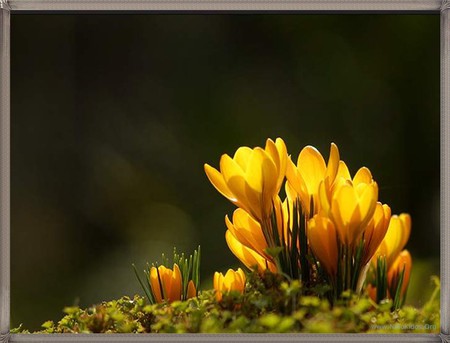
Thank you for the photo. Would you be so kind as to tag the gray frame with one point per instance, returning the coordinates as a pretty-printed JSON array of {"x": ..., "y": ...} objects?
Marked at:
[{"x": 429, "y": 6}]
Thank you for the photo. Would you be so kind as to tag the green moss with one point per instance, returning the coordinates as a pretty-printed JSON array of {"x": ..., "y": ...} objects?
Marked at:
[{"x": 267, "y": 305}]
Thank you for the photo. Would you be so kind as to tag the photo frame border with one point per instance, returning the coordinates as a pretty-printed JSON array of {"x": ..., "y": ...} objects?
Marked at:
[{"x": 151, "y": 6}]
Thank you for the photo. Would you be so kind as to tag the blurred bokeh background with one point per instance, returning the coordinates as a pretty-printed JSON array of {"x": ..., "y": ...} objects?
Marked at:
[{"x": 113, "y": 117}]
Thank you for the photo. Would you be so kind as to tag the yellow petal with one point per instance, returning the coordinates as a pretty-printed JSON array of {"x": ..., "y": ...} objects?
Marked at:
[
  {"x": 237, "y": 232},
  {"x": 242, "y": 157},
  {"x": 322, "y": 240},
  {"x": 248, "y": 231},
  {"x": 247, "y": 256},
  {"x": 218, "y": 284},
  {"x": 261, "y": 177},
  {"x": 293, "y": 176},
  {"x": 255, "y": 171},
  {"x": 376, "y": 230},
  {"x": 367, "y": 202},
  {"x": 324, "y": 197},
  {"x": 177, "y": 283},
  {"x": 333, "y": 163},
  {"x": 296, "y": 182},
  {"x": 343, "y": 171},
  {"x": 217, "y": 281},
  {"x": 403, "y": 261},
  {"x": 282, "y": 153},
  {"x": 228, "y": 280},
  {"x": 394, "y": 239},
  {"x": 191, "y": 291},
  {"x": 234, "y": 177},
  {"x": 272, "y": 152},
  {"x": 406, "y": 228},
  {"x": 291, "y": 194},
  {"x": 311, "y": 166},
  {"x": 363, "y": 175},
  {"x": 344, "y": 204},
  {"x": 155, "y": 285},
  {"x": 217, "y": 180},
  {"x": 230, "y": 169},
  {"x": 240, "y": 273}
]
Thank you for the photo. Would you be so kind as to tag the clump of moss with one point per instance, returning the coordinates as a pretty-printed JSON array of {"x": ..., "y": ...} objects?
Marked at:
[{"x": 269, "y": 304}]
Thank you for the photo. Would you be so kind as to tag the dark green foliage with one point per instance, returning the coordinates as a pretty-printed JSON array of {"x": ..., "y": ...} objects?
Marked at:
[
  {"x": 381, "y": 278},
  {"x": 267, "y": 305}
]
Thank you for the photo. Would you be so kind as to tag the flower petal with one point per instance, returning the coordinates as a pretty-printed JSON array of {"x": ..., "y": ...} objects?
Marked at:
[
  {"x": 333, "y": 163},
  {"x": 343, "y": 171},
  {"x": 217, "y": 180},
  {"x": 155, "y": 285},
  {"x": 242, "y": 156},
  {"x": 311, "y": 166},
  {"x": 191, "y": 291},
  {"x": 363, "y": 175},
  {"x": 247, "y": 256}
]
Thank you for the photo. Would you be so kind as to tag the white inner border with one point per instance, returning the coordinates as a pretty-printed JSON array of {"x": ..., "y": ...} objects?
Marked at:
[{"x": 337, "y": 6}]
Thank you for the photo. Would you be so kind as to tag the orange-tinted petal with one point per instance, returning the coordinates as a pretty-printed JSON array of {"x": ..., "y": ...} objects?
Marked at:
[
  {"x": 247, "y": 256},
  {"x": 191, "y": 291}
]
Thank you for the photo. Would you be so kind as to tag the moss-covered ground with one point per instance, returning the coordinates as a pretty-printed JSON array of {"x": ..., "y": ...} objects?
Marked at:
[{"x": 268, "y": 305}]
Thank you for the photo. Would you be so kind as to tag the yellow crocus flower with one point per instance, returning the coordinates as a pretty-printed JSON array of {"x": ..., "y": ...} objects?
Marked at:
[
  {"x": 232, "y": 281},
  {"x": 166, "y": 284},
  {"x": 322, "y": 237},
  {"x": 396, "y": 237},
  {"x": 252, "y": 178},
  {"x": 309, "y": 172},
  {"x": 402, "y": 262},
  {"x": 249, "y": 257},
  {"x": 375, "y": 231},
  {"x": 247, "y": 231},
  {"x": 350, "y": 204},
  {"x": 248, "y": 239}
]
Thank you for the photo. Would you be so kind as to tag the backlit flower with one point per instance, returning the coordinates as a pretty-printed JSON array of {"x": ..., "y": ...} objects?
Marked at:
[
  {"x": 350, "y": 204},
  {"x": 247, "y": 231},
  {"x": 403, "y": 263},
  {"x": 309, "y": 172},
  {"x": 375, "y": 231},
  {"x": 252, "y": 178},
  {"x": 249, "y": 257},
  {"x": 396, "y": 237},
  {"x": 166, "y": 284},
  {"x": 232, "y": 281},
  {"x": 322, "y": 237}
]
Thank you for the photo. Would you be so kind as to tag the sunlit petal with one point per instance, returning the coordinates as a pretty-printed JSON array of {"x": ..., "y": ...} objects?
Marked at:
[
  {"x": 247, "y": 256},
  {"x": 216, "y": 178},
  {"x": 242, "y": 157}
]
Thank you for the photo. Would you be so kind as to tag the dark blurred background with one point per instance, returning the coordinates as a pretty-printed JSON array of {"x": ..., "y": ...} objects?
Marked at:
[{"x": 113, "y": 117}]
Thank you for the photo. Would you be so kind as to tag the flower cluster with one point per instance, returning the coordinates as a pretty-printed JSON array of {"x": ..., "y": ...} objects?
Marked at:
[
  {"x": 330, "y": 228},
  {"x": 163, "y": 284}
]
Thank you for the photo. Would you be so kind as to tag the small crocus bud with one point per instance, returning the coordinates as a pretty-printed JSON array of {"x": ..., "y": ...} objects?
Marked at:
[
  {"x": 166, "y": 284},
  {"x": 191, "y": 291},
  {"x": 403, "y": 262},
  {"x": 232, "y": 281}
]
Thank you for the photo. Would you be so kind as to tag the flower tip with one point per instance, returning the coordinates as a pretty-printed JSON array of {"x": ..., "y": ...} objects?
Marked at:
[{"x": 191, "y": 291}]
